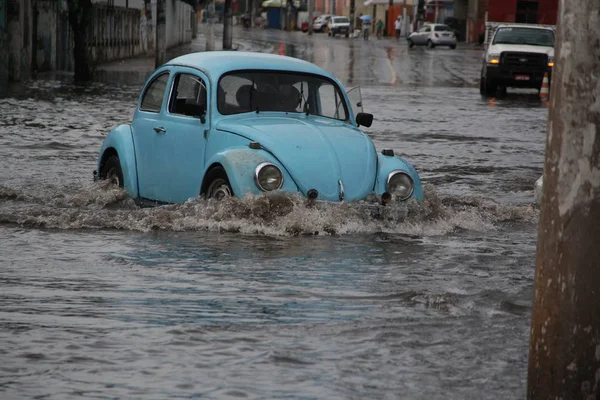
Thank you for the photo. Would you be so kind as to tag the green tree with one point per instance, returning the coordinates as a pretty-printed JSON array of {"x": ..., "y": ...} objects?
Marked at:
[{"x": 80, "y": 18}]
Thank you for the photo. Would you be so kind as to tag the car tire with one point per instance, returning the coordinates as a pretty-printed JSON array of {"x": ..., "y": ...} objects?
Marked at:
[
  {"x": 217, "y": 184},
  {"x": 410, "y": 44},
  {"x": 347, "y": 35},
  {"x": 111, "y": 171},
  {"x": 430, "y": 44},
  {"x": 453, "y": 46},
  {"x": 486, "y": 87}
]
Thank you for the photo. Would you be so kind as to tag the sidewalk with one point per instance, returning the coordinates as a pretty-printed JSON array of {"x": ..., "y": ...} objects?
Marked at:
[{"x": 145, "y": 63}]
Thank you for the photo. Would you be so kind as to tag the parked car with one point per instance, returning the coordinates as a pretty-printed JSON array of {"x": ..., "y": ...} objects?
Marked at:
[
  {"x": 518, "y": 55},
  {"x": 219, "y": 124},
  {"x": 320, "y": 23},
  {"x": 338, "y": 25},
  {"x": 432, "y": 35}
]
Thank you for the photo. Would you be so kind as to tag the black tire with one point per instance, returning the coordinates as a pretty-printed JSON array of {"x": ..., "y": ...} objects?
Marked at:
[
  {"x": 111, "y": 170},
  {"x": 430, "y": 44},
  {"x": 453, "y": 46},
  {"x": 486, "y": 87},
  {"x": 410, "y": 44},
  {"x": 347, "y": 34},
  {"x": 217, "y": 184}
]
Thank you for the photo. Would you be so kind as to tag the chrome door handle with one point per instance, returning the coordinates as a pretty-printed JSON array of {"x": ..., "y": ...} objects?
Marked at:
[{"x": 159, "y": 129}]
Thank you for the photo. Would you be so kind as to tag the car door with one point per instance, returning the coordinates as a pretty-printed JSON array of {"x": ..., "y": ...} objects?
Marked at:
[
  {"x": 183, "y": 142},
  {"x": 169, "y": 136},
  {"x": 146, "y": 126}
]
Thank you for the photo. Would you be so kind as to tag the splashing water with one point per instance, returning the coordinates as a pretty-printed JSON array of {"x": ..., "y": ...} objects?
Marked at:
[{"x": 99, "y": 206}]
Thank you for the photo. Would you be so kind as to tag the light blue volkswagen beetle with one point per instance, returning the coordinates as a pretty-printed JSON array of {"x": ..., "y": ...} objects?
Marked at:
[{"x": 220, "y": 124}]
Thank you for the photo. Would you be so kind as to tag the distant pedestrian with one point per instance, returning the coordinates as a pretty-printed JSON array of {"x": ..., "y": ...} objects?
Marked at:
[
  {"x": 379, "y": 27},
  {"x": 398, "y": 27}
]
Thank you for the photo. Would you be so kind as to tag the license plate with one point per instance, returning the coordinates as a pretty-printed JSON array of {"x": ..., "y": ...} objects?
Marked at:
[{"x": 521, "y": 77}]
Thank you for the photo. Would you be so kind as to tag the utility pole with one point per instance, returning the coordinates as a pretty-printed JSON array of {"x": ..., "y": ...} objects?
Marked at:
[
  {"x": 161, "y": 45},
  {"x": 227, "y": 25},
  {"x": 311, "y": 6},
  {"x": 564, "y": 351},
  {"x": 404, "y": 19},
  {"x": 210, "y": 28},
  {"x": 352, "y": 12},
  {"x": 388, "y": 15}
]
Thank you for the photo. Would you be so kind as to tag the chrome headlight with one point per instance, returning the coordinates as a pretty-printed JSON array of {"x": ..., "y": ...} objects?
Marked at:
[
  {"x": 400, "y": 184},
  {"x": 268, "y": 176}
]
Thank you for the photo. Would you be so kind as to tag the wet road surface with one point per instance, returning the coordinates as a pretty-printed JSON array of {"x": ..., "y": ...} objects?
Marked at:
[{"x": 102, "y": 299}]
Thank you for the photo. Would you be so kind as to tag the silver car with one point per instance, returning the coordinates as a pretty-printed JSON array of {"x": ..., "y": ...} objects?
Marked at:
[
  {"x": 432, "y": 35},
  {"x": 320, "y": 23}
]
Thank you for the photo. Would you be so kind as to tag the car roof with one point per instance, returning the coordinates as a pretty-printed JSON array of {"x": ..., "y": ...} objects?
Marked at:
[
  {"x": 217, "y": 63},
  {"x": 524, "y": 26}
]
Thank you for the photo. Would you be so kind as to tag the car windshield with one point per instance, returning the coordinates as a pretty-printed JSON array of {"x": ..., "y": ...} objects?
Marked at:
[
  {"x": 530, "y": 36},
  {"x": 442, "y": 28},
  {"x": 260, "y": 90},
  {"x": 341, "y": 20}
]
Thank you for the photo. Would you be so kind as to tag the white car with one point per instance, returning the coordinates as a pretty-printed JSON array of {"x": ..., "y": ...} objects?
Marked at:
[
  {"x": 338, "y": 25},
  {"x": 320, "y": 23},
  {"x": 432, "y": 35},
  {"x": 518, "y": 55}
]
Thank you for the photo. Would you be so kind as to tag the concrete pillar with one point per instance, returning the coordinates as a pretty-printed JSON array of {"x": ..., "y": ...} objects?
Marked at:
[
  {"x": 228, "y": 25},
  {"x": 564, "y": 353},
  {"x": 161, "y": 34},
  {"x": 19, "y": 26},
  {"x": 3, "y": 43}
]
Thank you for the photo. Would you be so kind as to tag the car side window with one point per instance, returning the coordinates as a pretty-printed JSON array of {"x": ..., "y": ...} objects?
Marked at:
[
  {"x": 188, "y": 96},
  {"x": 427, "y": 29},
  {"x": 153, "y": 98}
]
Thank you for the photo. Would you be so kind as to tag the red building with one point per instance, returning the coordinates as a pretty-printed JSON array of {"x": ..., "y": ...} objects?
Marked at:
[{"x": 525, "y": 11}]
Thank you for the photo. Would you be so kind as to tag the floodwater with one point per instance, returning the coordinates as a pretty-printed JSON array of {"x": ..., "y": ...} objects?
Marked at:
[{"x": 264, "y": 298}]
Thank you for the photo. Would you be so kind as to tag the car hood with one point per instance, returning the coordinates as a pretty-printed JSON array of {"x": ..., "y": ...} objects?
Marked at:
[
  {"x": 499, "y": 48},
  {"x": 317, "y": 152}
]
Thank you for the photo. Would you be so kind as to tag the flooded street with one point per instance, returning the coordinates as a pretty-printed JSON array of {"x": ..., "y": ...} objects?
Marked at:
[{"x": 262, "y": 297}]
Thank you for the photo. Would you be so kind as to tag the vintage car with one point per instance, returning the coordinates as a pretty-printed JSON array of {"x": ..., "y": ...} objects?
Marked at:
[{"x": 219, "y": 124}]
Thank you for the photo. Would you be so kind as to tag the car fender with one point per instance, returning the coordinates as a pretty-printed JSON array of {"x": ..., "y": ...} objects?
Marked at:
[
  {"x": 240, "y": 163},
  {"x": 120, "y": 140},
  {"x": 387, "y": 164}
]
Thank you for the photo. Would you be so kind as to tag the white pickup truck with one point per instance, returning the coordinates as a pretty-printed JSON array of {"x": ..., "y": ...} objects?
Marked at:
[{"x": 516, "y": 55}]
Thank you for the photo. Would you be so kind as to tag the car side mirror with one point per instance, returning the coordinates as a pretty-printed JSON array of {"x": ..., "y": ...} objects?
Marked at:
[{"x": 364, "y": 119}]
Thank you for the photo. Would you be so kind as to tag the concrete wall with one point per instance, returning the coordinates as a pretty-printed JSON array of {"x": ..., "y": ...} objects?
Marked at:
[
  {"x": 179, "y": 22},
  {"x": 40, "y": 38}
]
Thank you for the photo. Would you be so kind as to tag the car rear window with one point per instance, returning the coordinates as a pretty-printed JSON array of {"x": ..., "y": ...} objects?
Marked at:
[
  {"x": 442, "y": 28},
  {"x": 341, "y": 20}
]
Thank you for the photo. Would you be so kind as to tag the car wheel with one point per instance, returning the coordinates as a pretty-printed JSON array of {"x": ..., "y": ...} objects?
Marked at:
[
  {"x": 430, "y": 44},
  {"x": 111, "y": 171},
  {"x": 487, "y": 87},
  {"x": 347, "y": 34},
  {"x": 218, "y": 186},
  {"x": 410, "y": 44},
  {"x": 452, "y": 46}
]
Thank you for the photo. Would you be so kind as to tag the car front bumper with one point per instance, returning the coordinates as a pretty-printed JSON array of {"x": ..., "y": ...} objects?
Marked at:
[{"x": 512, "y": 76}]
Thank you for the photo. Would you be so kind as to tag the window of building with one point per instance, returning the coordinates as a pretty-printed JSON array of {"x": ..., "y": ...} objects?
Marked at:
[{"x": 527, "y": 11}]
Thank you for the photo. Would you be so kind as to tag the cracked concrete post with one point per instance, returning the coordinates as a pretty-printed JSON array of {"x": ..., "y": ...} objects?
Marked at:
[{"x": 564, "y": 353}]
